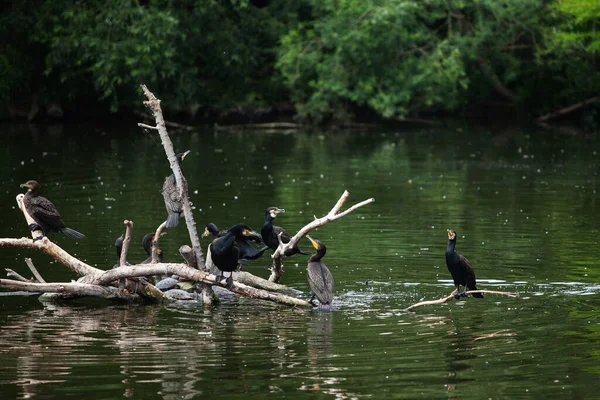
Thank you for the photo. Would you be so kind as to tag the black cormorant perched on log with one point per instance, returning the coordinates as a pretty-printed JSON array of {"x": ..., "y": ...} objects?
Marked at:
[
  {"x": 147, "y": 245},
  {"x": 270, "y": 233},
  {"x": 171, "y": 195},
  {"x": 225, "y": 250},
  {"x": 247, "y": 251},
  {"x": 319, "y": 278},
  {"x": 43, "y": 212},
  {"x": 460, "y": 268}
]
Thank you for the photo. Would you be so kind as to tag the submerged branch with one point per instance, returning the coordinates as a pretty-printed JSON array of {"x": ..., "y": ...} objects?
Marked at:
[{"x": 451, "y": 296}]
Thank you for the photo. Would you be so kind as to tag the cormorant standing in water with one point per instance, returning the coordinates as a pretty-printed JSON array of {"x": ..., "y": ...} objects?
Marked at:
[
  {"x": 225, "y": 250},
  {"x": 43, "y": 212},
  {"x": 247, "y": 251},
  {"x": 319, "y": 277},
  {"x": 171, "y": 196},
  {"x": 460, "y": 268},
  {"x": 147, "y": 245},
  {"x": 270, "y": 233}
]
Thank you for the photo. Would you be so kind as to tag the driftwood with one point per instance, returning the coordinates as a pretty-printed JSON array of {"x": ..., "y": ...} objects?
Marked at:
[
  {"x": 277, "y": 269},
  {"x": 451, "y": 296}
]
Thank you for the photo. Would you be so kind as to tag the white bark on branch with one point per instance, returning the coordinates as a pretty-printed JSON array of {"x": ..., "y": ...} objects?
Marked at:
[
  {"x": 126, "y": 242},
  {"x": 34, "y": 270},
  {"x": 73, "y": 288},
  {"x": 55, "y": 252},
  {"x": 277, "y": 269},
  {"x": 154, "y": 105},
  {"x": 451, "y": 296}
]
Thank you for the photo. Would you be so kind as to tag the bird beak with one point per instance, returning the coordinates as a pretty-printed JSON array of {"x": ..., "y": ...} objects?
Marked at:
[
  {"x": 252, "y": 234},
  {"x": 276, "y": 211},
  {"x": 206, "y": 233},
  {"x": 24, "y": 185},
  {"x": 312, "y": 241},
  {"x": 185, "y": 154}
]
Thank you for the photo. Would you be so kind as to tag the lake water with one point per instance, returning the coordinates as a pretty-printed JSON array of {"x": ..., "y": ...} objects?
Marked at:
[{"x": 523, "y": 203}]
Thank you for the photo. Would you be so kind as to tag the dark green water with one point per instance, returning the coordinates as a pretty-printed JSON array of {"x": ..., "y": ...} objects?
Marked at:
[{"x": 523, "y": 203}]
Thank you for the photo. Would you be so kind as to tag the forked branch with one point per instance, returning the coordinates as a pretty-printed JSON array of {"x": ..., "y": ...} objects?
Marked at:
[{"x": 277, "y": 269}]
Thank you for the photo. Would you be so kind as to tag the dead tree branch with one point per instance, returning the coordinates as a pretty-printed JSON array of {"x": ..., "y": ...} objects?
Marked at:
[
  {"x": 451, "y": 296},
  {"x": 277, "y": 269},
  {"x": 34, "y": 234},
  {"x": 79, "y": 289},
  {"x": 154, "y": 105},
  {"x": 126, "y": 242},
  {"x": 155, "y": 240},
  {"x": 13, "y": 274},
  {"x": 34, "y": 271}
]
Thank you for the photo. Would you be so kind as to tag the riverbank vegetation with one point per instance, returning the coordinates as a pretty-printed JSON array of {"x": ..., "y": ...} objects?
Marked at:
[{"x": 325, "y": 61}]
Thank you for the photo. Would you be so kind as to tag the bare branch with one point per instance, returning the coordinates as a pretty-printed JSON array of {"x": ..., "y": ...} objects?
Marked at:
[
  {"x": 277, "y": 270},
  {"x": 451, "y": 296},
  {"x": 34, "y": 234},
  {"x": 34, "y": 271},
  {"x": 126, "y": 242},
  {"x": 147, "y": 126},
  {"x": 195, "y": 275},
  {"x": 13, "y": 274},
  {"x": 55, "y": 252},
  {"x": 154, "y": 105},
  {"x": 80, "y": 289},
  {"x": 155, "y": 241}
]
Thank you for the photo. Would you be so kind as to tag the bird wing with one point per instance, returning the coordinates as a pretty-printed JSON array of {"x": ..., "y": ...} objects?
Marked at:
[
  {"x": 469, "y": 273},
  {"x": 171, "y": 194},
  {"x": 285, "y": 237},
  {"x": 320, "y": 281},
  {"x": 43, "y": 209}
]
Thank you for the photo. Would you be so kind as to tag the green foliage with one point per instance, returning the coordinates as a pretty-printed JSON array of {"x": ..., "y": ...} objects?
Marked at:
[
  {"x": 403, "y": 56},
  {"x": 330, "y": 58}
]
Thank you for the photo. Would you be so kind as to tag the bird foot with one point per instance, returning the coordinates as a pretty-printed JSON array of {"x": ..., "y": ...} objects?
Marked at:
[
  {"x": 229, "y": 282},
  {"x": 464, "y": 294},
  {"x": 34, "y": 227},
  {"x": 38, "y": 238}
]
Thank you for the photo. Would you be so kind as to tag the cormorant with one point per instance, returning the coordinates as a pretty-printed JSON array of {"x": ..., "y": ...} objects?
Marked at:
[
  {"x": 270, "y": 233},
  {"x": 319, "y": 278},
  {"x": 43, "y": 212},
  {"x": 247, "y": 251},
  {"x": 225, "y": 250},
  {"x": 460, "y": 268},
  {"x": 171, "y": 195},
  {"x": 147, "y": 245}
]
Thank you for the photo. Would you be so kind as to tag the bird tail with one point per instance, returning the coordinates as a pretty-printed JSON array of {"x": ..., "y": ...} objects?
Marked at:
[
  {"x": 172, "y": 220},
  {"x": 72, "y": 233}
]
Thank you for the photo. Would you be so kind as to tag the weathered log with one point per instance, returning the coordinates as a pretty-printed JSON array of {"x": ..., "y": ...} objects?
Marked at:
[
  {"x": 277, "y": 269},
  {"x": 192, "y": 274},
  {"x": 34, "y": 270}
]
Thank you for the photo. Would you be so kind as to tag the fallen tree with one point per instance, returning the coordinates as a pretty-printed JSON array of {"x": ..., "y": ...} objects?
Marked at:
[{"x": 128, "y": 282}]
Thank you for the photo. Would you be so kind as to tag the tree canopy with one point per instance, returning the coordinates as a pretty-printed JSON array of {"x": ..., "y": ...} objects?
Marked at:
[{"x": 331, "y": 59}]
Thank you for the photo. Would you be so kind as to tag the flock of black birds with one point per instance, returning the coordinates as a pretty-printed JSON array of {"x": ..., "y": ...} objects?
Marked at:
[{"x": 231, "y": 248}]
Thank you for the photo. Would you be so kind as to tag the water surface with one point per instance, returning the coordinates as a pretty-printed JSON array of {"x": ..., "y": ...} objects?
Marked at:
[{"x": 522, "y": 201}]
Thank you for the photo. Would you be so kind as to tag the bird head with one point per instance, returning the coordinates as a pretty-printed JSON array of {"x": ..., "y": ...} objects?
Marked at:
[
  {"x": 30, "y": 185},
  {"x": 273, "y": 211},
  {"x": 451, "y": 234},
  {"x": 181, "y": 156}
]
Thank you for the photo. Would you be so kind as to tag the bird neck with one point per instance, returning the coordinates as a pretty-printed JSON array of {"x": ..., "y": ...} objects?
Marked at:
[
  {"x": 320, "y": 254},
  {"x": 451, "y": 246}
]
